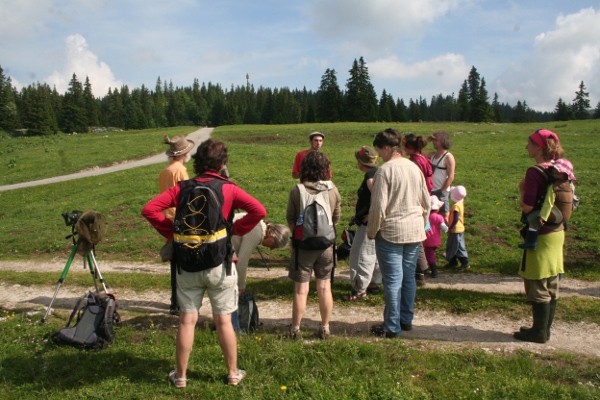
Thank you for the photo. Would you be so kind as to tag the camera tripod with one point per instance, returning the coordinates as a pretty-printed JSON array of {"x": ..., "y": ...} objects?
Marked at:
[{"x": 89, "y": 261}]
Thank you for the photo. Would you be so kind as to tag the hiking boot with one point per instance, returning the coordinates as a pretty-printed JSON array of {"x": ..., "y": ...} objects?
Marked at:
[
  {"x": 378, "y": 330},
  {"x": 405, "y": 327}
]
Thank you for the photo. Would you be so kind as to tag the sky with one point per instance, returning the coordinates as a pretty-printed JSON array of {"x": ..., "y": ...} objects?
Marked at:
[{"x": 529, "y": 50}]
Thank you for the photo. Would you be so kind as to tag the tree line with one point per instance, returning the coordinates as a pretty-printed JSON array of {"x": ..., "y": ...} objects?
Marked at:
[{"x": 42, "y": 110}]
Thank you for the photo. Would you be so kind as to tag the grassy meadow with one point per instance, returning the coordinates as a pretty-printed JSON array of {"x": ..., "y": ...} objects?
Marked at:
[{"x": 491, "y": 159}]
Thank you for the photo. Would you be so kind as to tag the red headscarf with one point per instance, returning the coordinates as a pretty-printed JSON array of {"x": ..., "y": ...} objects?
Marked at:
[{"x": 541, "y": 136}]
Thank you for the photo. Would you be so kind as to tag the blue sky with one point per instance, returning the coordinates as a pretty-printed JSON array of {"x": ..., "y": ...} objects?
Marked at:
[{"x": 532, "y": 50}]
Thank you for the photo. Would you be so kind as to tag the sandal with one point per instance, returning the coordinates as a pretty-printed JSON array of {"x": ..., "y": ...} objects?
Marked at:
[
  {"x": 234, "y": 380},
  {"x": 355, "y": 296},
  {"x": 177, "y": 382}
]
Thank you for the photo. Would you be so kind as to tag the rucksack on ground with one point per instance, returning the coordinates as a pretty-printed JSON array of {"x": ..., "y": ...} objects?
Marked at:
[
  {"x": 202, "y": 237},
  {"x": 94, "y": 327},
  {"x": 565, "y": 200},
  {"x": 314, "y": 229},
  {"x": 343, "y": 250},
  {"x": 248, "y": 313}
]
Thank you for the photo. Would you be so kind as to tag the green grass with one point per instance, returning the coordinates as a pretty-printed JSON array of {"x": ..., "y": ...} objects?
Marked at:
[
  {"x": 24, "y": 159},
  {"x": 136, "y": 366},
  {"x": 490, "y": 161}
]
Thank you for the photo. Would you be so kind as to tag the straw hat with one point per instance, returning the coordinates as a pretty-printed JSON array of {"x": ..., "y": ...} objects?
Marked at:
[{"x": 179, "y": 146}]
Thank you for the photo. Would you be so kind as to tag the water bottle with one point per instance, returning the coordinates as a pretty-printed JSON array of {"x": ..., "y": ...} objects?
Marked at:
[{"x": 300, "y": 220}]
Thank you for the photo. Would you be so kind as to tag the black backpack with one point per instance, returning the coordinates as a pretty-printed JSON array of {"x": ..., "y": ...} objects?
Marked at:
[
  {"x": 248, "y": 313},
  {"x": 96, "y": 316},
  {"x": 343, "y": 250},
  {"x": 202, "y": 237}
]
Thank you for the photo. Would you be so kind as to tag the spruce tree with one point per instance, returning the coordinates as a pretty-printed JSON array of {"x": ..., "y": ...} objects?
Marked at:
[
  {"x": 597, "y": 111},
  {"x": 9, "y": 118},
  {"x": 562, "y": 111},
  {"x": 90, "y": 104},
  {"x": 329, "y": 98},
  {"x": 361, "y": 99},
  {"x": 74, "y": 116},
  {"x": 581, "y": 103}
]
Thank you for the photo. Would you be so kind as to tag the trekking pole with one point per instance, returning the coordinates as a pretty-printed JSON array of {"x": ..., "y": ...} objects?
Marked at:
[
  {"x": 263, "y": 259},
  {"x": 60, "y": 281}
]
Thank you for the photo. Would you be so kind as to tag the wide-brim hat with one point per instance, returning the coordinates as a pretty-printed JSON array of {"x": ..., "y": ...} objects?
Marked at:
[
  {"x": 565, "y": 166},
  {"x": 179, "y": 146},
  {"x": 367, "y": 156},
  {"x": 436, "y": 203}
]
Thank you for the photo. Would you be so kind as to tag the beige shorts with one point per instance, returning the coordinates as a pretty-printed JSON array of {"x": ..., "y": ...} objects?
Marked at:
[{"x": 222, "y": 290}]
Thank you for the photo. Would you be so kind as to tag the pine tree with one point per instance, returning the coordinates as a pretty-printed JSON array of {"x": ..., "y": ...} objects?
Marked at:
[
  {"x": 329, "y": 98},
  {"x": 90, "y": 103},
  {"x": 464, "y": 107},
  {"x": 581, "y": 103},
  {"x": 597, "y": 111},
  {"x": 562, "y": 111},
  {"x": 497, "y": 109},
  {"x": 36, "y": 110},
  {"x": 361, "y": 99},
  {"x": 9, "y": 118},
  {"x": 74, "y": 118}
]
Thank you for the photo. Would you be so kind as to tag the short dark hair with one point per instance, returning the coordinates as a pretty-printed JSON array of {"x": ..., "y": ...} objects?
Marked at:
[
  {"x": 389, "y": 137},
  {"x": 314, "y": 167},
  {"x": 211, "y": 156}
]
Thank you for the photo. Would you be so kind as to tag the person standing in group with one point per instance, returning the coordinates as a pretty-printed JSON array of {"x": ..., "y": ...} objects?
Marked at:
[
  {"x": 540, "y": 268},
  {"x": 264, "y": 233},
  {"x": 220, "y": 286},
  {"x": 178, "y": 154},
  {"x": 316, "y": 142},
  {"x": 443, "y": 165},
  {"x": 434, "y": 240},
  {"x": 413, "y": 146},
  {"x": 456, "y": 249},
  {"x": 399, "y": 211},
  {"x": 364, "y": 270},
  {"x": 316, "y": 187}
]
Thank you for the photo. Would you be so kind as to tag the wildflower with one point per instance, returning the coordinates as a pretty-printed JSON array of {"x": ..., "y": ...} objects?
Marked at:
[{"x": 283, "y": 388}]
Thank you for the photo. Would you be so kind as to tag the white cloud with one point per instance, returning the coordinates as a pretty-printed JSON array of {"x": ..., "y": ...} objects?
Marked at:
[
  {"x": 375, "y": 25},
  {"x": 83, "y": 62},
  {"x": 23, "y": 18},
  {"x": 561, "y": 59},
  {"x": 447, "y": 68}
]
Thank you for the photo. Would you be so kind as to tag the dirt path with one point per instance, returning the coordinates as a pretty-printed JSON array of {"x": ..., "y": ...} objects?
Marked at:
[
  {"x": 491, "y": 332},
  {"x": 197, "y": 136}
]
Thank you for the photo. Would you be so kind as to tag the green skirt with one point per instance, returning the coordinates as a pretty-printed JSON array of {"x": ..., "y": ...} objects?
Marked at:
[{"x": 547, "y": 260}]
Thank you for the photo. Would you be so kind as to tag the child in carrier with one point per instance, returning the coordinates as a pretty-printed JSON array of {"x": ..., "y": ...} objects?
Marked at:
[
  {"x": 557, "y": 205},
  {"x": 434, "y": 240},
  {"x": 455, "y": 245}
]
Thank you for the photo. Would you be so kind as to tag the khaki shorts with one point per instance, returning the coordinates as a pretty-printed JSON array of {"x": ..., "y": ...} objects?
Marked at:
[
  {"x": 320, "y": 261},
  {"x": 541, "y": 290},
  {"x": 222, "y": 290}
]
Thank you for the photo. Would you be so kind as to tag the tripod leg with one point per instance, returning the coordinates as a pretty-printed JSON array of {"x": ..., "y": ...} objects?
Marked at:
[
  {"x": 263, "y": 259},
  {"x": 60, "y": 281},
  {"x": 94, "y": 265}
]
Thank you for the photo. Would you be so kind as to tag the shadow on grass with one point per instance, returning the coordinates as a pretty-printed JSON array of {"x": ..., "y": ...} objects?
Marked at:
[{"x": 73, "y": 368}]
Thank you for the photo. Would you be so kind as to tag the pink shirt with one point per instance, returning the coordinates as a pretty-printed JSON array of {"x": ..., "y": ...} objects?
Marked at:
[
  {"x": 434, "y": 239},
  {"x": 425, "y": 166}
]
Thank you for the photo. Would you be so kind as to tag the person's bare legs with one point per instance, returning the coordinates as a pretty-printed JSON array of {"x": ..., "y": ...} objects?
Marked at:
[
  {"x": 299, "y": 304},
  {"x": 185, "y": 341},
  {"x": 227, "y": 341},
  {"x": 325, "y": 300}
]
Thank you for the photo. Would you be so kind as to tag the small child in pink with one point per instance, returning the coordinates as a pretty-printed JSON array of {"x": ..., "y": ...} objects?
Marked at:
[{"x": 434, "y": 239}]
